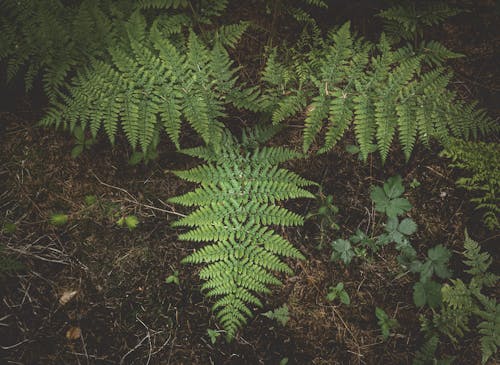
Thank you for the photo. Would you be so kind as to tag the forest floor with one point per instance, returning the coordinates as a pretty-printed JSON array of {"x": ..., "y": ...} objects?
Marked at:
[{"x": 123, "y": 312}]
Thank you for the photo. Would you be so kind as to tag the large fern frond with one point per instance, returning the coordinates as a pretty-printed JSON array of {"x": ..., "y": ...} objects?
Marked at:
[{"x": 236, "y": 204}]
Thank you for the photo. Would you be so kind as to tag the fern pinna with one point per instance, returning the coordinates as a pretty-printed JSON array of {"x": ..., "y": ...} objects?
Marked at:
[
  {"x": 240, "y": 186},
  {"x": 382, "y": 90},
  {"x": 155, "y": 79}
]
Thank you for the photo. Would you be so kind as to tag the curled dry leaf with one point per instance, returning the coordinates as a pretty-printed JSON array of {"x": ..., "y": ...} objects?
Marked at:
[
  {"x": 67, "y": 296},
  {"x": 73, "y": 333}
]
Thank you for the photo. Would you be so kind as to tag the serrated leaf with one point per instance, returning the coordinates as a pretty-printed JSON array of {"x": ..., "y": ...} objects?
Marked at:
[
  {"x": 392, "y": 224},
  {"x": 393, "y": 187},
  {"x": 407, "y": 226},
  {"x": 342, "y": 250},
  {"x": 344, "y": 298},
  {"x": 397, "y": 207},
  {"x": 428, "y": 292}
]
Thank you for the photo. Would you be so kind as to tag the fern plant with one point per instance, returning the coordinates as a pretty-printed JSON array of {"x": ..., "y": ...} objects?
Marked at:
[
  {"x": 55, "y": 39},
  {"x": 480, "y": 160},
  {"x": 380, "y": 89},
  {"x": 153, "y": 80},
  {"x": 51, "y": 39},
  {"x": 463, "y": 301},
  {"x": 241, "y": 185}
]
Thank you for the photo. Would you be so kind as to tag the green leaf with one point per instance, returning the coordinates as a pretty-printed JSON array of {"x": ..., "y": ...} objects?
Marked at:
[
  {"x": 79, "y": 135},
  {"x": 379, "y": 198},
  {"x": 59, "y": 219},
  {"x": 387, "y": 199},
  {"x": 131, "y": 221},
  {"x": 393, "y": 187},
  {"x": 397, "y": 207},
  {"x": 392, "y": 224},
  {"x": 428, "y": 292},
  {"x": 284, "y": 361},
  {"x": 173, "y": 279},
  {"x": 407, "y": 226},
  {"x": 439, "y": 257},
  {"x": 344, "y": 297},
  {"x": 342, "y": 250},
  {"x": 213, "y": 334}
]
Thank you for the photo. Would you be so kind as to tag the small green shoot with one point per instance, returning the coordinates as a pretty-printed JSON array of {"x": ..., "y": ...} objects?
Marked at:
[
  {"x": 415, "y": 183},
  {"x": 130, "y": 221},
  {"x": 213, "y": 335},
  {"x": 58, "y": 219},
  {"x": 173, "y": 279},
  {"x": 388, "y": 198},
  {"x": 338, "y": 292},
  {"x": 90, "y": 200},
  {"x": 385, "y": 322},
  {"x": 280, "y": 314}
]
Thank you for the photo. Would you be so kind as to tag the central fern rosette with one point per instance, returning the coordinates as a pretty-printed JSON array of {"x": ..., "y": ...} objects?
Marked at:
[{"x": 241, "y": 185}]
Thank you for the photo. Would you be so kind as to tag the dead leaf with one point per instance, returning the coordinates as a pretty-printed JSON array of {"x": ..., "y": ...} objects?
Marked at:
[
  {"x": 67, "y": 296},
  {"x": 73, "y": 333}
]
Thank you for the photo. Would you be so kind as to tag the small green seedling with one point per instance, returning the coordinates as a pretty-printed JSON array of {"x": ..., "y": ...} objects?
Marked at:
[
  {"x": 173, "y": 279},
  {"x": 415, "y": 183},
  {"x": 130, "y": 221},
  {"x": 58, "y": 219},
  {"x": 213, "y": 335},
  {"x": 338, "y": 292},
  {"x": 284, "y": 361},
  {"x": 388, "y": 198},
  {"x": 280, "y": 314},
  {"x": 90, "y": 200},
  {"x": 385, "y": 322},
  {"x": 82, "y": 142}
]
